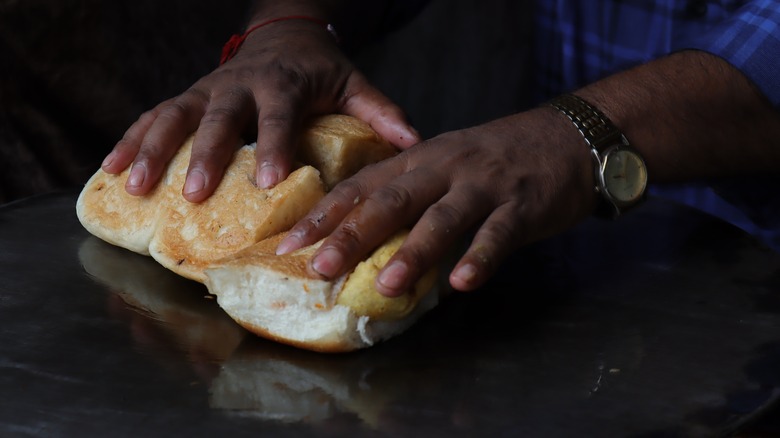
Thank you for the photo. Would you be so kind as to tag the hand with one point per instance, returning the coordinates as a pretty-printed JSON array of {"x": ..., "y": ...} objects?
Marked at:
[
  {"x": 515, "y": 180},
  {"x": 283, "y": 73}
]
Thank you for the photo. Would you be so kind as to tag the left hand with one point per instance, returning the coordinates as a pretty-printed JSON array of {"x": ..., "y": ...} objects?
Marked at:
[{"x": 516, "y": 180}]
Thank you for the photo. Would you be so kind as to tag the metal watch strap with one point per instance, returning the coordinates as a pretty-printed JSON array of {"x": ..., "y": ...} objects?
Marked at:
[
  {"x": 599, "y": 133},
  {"x": 594, "y": 126}
]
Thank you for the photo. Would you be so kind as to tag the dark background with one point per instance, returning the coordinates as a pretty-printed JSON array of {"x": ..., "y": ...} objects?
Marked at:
[
  {"x": 74, "y": 74},
  {"x": 77, "y": 73}
]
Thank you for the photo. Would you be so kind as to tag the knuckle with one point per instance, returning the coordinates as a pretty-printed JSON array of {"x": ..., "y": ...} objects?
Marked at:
[
  {"x": 446, "y": 214},
  {"x": 495, "y": 233},
  {"x": 349, "y": 235},
  {"x": 288, "y": 78},
  {"x": 218, "y": 116},
  {"x": 148, "y": 116},
  {"x": 125, "y": 144},
  {"x": 314, "y": 220},
  {"x": 416, "y": 256},
  {"x": 277, "y": 119},
  {"x": 391, "y": 197},
  {"x": 309, "y": 225},
  {"x": 243, "y": 74},
  {"x": 175, "y": 112},
  {"x": 150, "y": 150},
  {"x": 348, "y": 190},
  {"x": 194, "y": 94},
  {"x": 274, "y": 72}
]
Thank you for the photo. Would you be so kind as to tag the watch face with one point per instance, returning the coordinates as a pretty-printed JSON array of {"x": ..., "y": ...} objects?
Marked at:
[{"x": 625, "y": 175}]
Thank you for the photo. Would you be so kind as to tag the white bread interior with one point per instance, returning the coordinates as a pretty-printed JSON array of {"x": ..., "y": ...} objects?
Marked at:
[
  {"x": 338, "y": 146},
  {"x": 278, "y": 297}
]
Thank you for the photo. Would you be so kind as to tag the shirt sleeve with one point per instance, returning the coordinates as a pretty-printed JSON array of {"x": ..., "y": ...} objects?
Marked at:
[{"x": 749, "y": 39}]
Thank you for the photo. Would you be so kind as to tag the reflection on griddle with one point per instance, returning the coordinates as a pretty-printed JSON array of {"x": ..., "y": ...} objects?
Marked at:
[
  {"x": 535, "y": 346},
  {"x": 170, "y": 306},
  {"x": 246, "y": 375}
]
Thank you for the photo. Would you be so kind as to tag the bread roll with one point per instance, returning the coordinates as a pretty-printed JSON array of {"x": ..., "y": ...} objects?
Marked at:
[
  {"x": 338, "y": 146},
  {"x": 186, "y": 237},
  {"x": 229, "y": 236},
  {"x": 278, "y": 298}
]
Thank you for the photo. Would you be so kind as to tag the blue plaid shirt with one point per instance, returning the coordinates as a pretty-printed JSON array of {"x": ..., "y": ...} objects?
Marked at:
[
  {"x": 580, "y": 41},
  {"x": 577, "y": 42}
]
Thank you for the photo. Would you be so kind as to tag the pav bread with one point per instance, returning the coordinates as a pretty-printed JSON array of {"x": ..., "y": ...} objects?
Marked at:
[
  {"x": 228, "y": 241},
  {"x": 262, "y": 292}
]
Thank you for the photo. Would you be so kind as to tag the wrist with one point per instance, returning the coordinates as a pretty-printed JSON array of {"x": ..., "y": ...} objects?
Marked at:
[
  {"x": 619, "y": 171},
  {"x": 568, "y": 158},
  {"x": 235, "y": 42}
]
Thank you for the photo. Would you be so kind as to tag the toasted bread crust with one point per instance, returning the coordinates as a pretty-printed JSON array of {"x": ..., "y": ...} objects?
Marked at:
[{"x": 185, "y": 237}]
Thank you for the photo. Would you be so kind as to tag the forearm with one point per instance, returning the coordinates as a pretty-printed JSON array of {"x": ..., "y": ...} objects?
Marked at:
[{"x": 692, "y": 115}]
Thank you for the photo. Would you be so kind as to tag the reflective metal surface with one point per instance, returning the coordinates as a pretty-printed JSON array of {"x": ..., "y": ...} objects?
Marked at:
[{"x": 664, "y": 323}]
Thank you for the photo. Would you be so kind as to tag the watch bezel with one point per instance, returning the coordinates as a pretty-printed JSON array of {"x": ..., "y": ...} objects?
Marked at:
[{"x": 601, "y": 159}]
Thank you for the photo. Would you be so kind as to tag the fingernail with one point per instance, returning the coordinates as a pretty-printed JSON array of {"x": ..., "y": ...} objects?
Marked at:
[
  {"x": 267, "y": 177},
  {"x": 108, "y": 160},
  {"x": 328, "y": 262},
  {"x": 408, "y": 133},
  {"x": 393, "y": 276},
  {"x": 414, "y": 132},
  {"x": 288, "y": 245},
  {"x": 195, "y": 182},
  {"x": 466, "y": 273},
  {"x": 137, "y": 175}
]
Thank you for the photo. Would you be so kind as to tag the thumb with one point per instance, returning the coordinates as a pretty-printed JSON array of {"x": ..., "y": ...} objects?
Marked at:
[{"x": 366, "y": 102}]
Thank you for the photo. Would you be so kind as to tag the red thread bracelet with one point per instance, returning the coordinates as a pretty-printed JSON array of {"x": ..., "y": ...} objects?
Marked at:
[{"x": 234, "y": 43}]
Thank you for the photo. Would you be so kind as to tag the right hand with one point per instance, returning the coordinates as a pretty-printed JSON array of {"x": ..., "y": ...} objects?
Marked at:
[
  {"x": 508, "y": 182},
  {"x": 283, "y": 73}
]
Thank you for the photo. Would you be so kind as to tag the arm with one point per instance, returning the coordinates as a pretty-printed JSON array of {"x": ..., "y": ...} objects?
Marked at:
[
  {"x": 282, "y": 73},
  {"x": 528, "y": 176},
  {"x": 693, "y": 116}
]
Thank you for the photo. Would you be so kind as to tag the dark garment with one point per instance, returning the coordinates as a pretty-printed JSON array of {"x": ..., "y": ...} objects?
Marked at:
[{"x": 76, "y": 74}]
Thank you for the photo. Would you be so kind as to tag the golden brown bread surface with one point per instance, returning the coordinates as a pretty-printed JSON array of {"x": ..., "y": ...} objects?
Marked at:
[
  {"x": 359, "y": 292},
  {"x": 186, "y": 237},
  {"x": 338, "y": 146}
]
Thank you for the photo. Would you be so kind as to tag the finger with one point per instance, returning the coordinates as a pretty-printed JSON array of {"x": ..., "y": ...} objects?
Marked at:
[
  {"x": 278, "y": 122},
  {"x": 215, "y": 142},
  {"x": 440, "y": 227},
  {"x": 366, "y": 102},
  {"x": 328, "y": 213},
  {"x": 173, "y": 124},
  {"x": 386, "y": 210},
  {"x": 496, "y": 238},
  {"x": 127, "y": 148}
]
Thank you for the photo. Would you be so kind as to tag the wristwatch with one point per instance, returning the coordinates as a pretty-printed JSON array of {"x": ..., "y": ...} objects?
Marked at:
[{"x": 621, "y": 174}]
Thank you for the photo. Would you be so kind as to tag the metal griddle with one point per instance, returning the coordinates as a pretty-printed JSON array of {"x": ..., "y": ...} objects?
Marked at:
[{"x": 666, "y": 322}]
